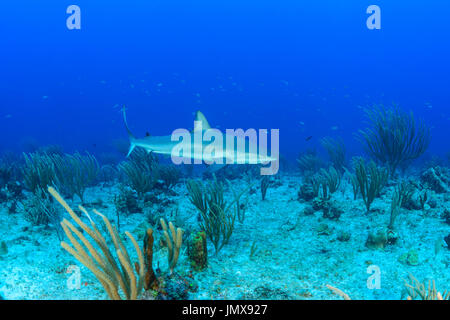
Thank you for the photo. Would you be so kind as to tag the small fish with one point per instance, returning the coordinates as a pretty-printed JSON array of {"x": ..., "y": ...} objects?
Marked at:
[
  {"x": 334, "y": 128},
  {"x": 308, "y": 138},
  {"x": 302, "y": 123}
]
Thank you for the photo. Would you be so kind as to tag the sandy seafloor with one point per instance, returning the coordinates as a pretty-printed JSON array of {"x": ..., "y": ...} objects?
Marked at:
[{"x": 291, "y": 262}]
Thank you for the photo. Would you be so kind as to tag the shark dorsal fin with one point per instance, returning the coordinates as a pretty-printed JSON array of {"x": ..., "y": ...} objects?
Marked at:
[{"x": 200, "y": 119}]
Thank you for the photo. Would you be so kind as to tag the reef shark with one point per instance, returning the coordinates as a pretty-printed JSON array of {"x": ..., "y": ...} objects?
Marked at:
[{"x": 204, "y": 144}]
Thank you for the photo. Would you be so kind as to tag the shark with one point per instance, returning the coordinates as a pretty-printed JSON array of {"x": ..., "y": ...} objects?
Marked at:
[{"x": 204, "y": 144}]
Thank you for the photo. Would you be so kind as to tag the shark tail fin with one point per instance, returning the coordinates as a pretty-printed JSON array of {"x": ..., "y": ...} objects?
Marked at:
[{"x": 130, "y": 134}]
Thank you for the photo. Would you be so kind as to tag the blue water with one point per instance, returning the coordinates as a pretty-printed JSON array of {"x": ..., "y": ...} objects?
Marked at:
[{"x": 302, "y": 67}]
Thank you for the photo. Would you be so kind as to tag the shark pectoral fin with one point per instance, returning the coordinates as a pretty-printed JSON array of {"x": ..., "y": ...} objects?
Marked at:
[{"x": 200, "y": 122}]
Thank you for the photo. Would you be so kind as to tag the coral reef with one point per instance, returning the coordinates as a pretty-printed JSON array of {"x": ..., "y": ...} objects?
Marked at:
[
  {"x": 402, "y": 194},
  {"x": 169, "y": 175},
  {"x": 126, "y": 201},
  {"x": 39, "y": 209},
  {"x": 38, "y": 171},
  {"x": 394, "y": 137},
  {"x": 327, "y": 182},
  {"x": 198, "y": 251},
  {"x": 437, "y": 179},
  {"x": 141, "y": 171},
  {"x": 417, "y": 289},
  {"x": 102, "y": 263},
  {"x": 307, "y": 191},
  {"x": 71, "y": 174},
  {"x": 377, "y": 240},
  {"x": 74, "y": 173},
  {"x": 336, "y": 152},
  {"x": 294, "y": 229},
  {"x": 309, "y": 163},
  {"x": 265, "y": 184},
  {"x": 174, "y": 240},
  {"x": 217, "y": 215},
  {"x": 371, "y": 179}
]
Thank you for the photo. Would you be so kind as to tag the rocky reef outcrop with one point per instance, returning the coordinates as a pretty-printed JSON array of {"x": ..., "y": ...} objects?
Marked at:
[{"x": 436, "y": 179}]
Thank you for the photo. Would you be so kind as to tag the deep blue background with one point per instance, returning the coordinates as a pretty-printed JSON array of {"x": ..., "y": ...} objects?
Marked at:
[{"x": 245, "y": 64}]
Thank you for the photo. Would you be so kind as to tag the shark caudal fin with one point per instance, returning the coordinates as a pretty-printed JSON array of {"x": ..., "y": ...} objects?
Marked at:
[{"x": 130, "y": 135}]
